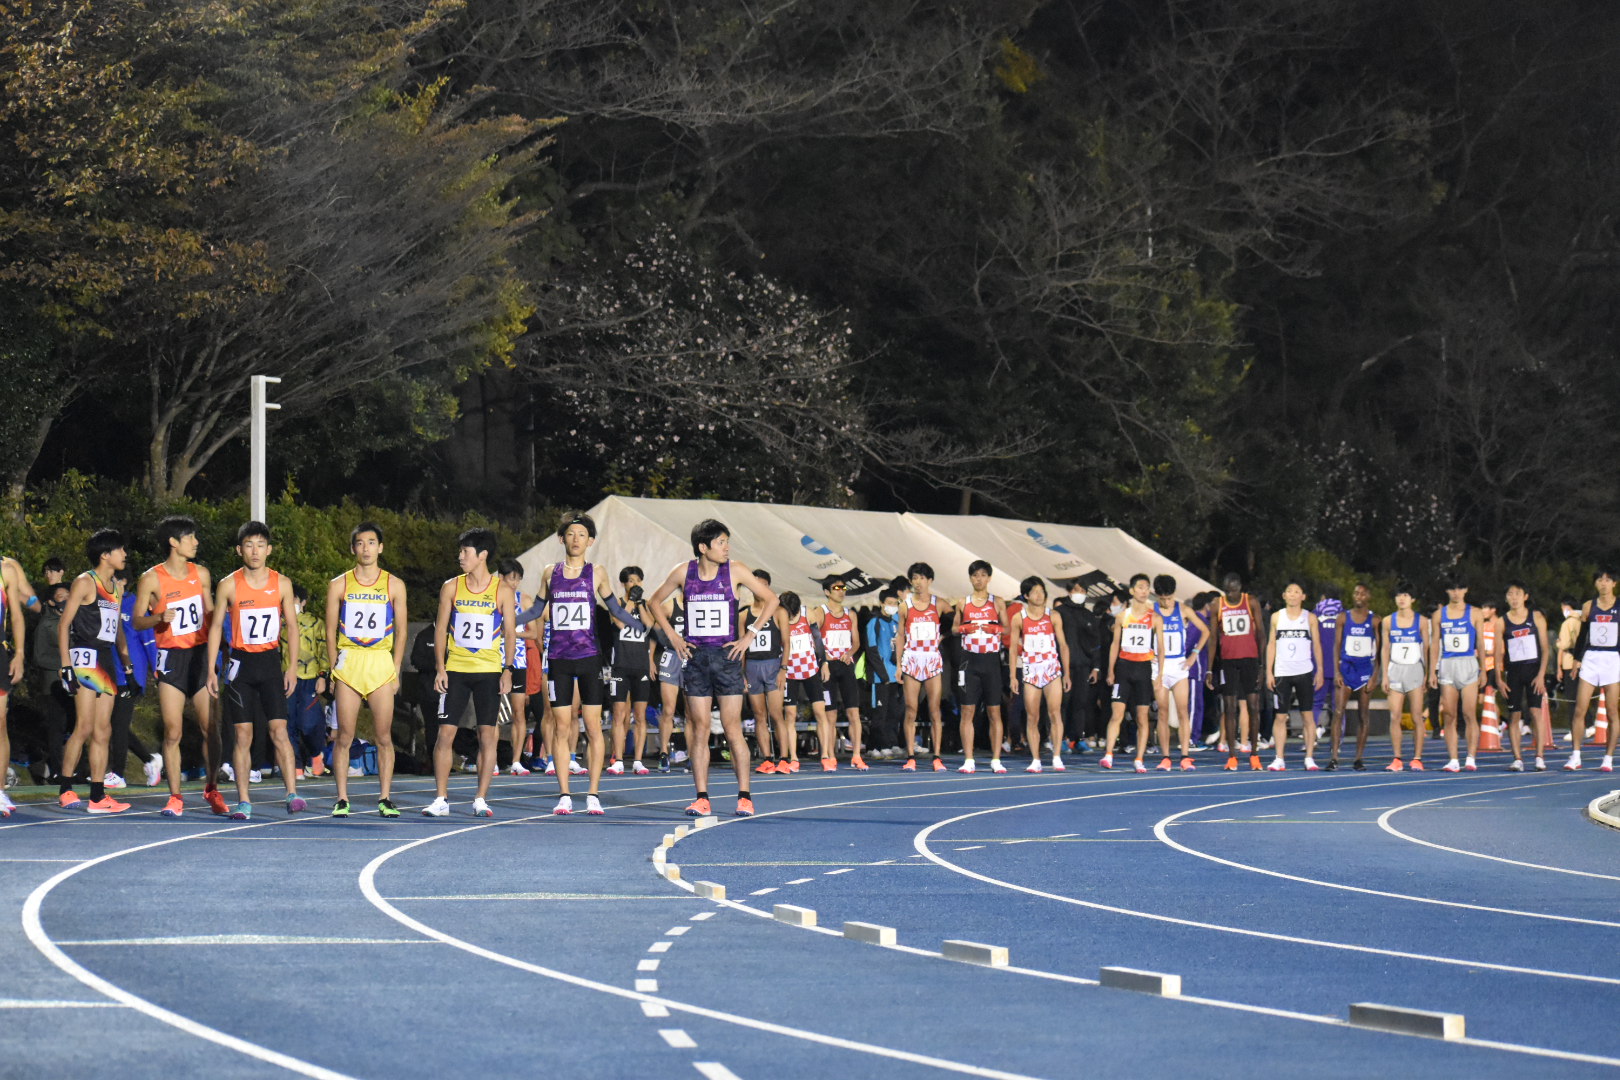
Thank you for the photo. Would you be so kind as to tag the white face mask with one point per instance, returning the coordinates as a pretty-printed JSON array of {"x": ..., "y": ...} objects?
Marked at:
[
  {"x": 1115, "y": 608},
  {"x": 1078, "y": 596},
  {"x": 889, "y": 609}
]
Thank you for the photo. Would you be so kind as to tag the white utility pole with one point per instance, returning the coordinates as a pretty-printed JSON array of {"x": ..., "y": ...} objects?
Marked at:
[{"x": 258, "y": 385}]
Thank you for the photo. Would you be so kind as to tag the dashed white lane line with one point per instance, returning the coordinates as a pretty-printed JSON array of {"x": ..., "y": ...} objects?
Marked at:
[
  {"x": 713, "y": 1070},
  {"x": 248, "y": 939},
  {"x": 653, "y": 1011},
  {"x": 646, "y": 986},
  {"x": 974, "y": 847},
  {"x": 676, "y": 931},
  {"x": 41, "y": 1003},
  {"x": 845, "y": 870},
  {"x": 763, "y": 892},
  {"x": 1322, "y": 811},
  {"x": 660, "y": 946},
  {"x": 646, "y": 965},
  {"x": 700, "y": 916},
  {"x": 1101, "y": 831},
  {"x": 677, "y": 1038},
  {"x": 801, "y": 881}
]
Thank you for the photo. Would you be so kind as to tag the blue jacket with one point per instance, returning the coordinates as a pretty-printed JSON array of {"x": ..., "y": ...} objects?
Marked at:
[
  {"x": 880, "y": 632},
  {"x": 142, "y": 645}
]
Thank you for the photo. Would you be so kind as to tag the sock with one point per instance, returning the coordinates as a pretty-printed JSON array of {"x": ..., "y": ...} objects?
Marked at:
[
  {"x": 703, "y": 794},
  {"x": 744, "y": 795},
  {"x": 65, "y": 786},
  {"x": 98, "y": 791}
]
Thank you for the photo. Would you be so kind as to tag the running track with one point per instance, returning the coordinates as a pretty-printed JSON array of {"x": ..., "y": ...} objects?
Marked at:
[{"x": 425, "y": 947}]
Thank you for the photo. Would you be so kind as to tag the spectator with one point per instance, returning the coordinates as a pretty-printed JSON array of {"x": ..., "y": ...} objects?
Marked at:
[
  {"x": 306, "y": 711},
  {"x": 1082, "y": 629},
  {"x": 886, "y": 706},
  {"x": 46, "y": 661},
  {"x": 54, "y": 571}
]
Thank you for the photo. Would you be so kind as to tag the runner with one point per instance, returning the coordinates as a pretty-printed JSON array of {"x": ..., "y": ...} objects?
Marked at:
[
  {"x": 1358, "y": 659},
  {"x": 671, "y": 669},
  {"x": 1455, "y": 670},
  {"x": 572, "y": 588},
  {"x": 918, "y": 660},
  {"x": 474, "y": 646},
  {"x": 713, "y": 652},
  {"x": 1179, "y": 628},
  {"x": 1130, "y": 669},
  {"x": 91, "y": 639},
  {"x": 1523, "y": 669},
  {"x": 1237, "y": 671},
  {"x": 1406, "y": 652},
  {"x": 512, "y": 574},
  {"x": 840, "y": 635},
  {"x": 1597, "y": 667},
  {"x": 257, "y": 602},
  {"x": 366, "y": 618},
  {"x": 805, "y": 670},
  {"x": 1295, "y": 672},
  {"x": 1039, "y": 664},
  {"x": 632, "y": 668},
  {"x": 979, "y": 620},
  {"x": 765, "y": 680},
  {"x": 11, "y": 667}
]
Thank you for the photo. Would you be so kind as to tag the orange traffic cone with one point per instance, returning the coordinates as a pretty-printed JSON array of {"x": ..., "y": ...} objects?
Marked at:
[
  {"x": 1544, "y": 738},
  {"x": 1600, "y": 734},
  {"x": 1490, "y": 735}
]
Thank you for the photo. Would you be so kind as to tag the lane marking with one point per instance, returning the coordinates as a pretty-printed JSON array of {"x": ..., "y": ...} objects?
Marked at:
[
  {"x": 660, "y": 946},
  {"x": 975, "y": 847},
  {"x": 677, "y": 1038},
  {"x": 646, "y": 965},
  {"x": 713, "y": 1070},
  {"x": 27, "y": 1003},
  {"x": 763, "y": 892},
  {"x": 247, "y": 939},
  {"x": 1384, "y": 823},
  {"x": 846, "y": 870},
  {"x": 676, "y": 931},
  {"x": 647, "y": 986},
  {"x": 539, "y": 896},
  {"x": 702, "y": 915},
  {"x": 652, "y": 1011},
  {"x": 39, "y": 860},
  {"x": 801, "y": 881},
  {"x": 1099, "y": 832}
]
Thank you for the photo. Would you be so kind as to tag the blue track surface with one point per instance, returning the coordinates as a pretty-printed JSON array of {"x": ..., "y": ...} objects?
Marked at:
[{"x": 426, "y": 947}]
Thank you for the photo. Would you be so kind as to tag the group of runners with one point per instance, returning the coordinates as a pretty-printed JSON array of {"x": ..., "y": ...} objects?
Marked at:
[{"x": 222, "y": 649}]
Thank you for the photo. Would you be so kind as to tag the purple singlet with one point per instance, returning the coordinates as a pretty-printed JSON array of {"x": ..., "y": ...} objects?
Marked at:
[
  {"x": 573, "y": 614},
  {"x": 709, "y": 607}
]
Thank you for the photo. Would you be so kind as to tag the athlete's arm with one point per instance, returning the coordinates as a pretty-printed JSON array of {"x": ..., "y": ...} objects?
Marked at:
[
  {"x": 289, "y": 626},
  {"x": 1479, "y": 641},
  {"x": 1434, "y": 654},
  {"x": 743, "y": 578},
  {"x": 672, "y": 582},
  {"x": 898, "y": 645},
  {"x": 216, "y": 629},
  {"x": 1113, "y": 647},
  {"x": 334, "y": 611},
  {"x": 146, "y": 594},
  {"x": 1271, "y": 652},
  {"x": 1316, "y": 646},
  {"x": 441, "y": 630},
  {"x": 402, "y": 624},
  {"x": 1541, "y": 667},
  {"x": 1063, "y": 650},
  {"x": 507, "y": 601},
  {"x": 10, "y": 573},
  {"x": 1206, "y": 640},
  {"x": 1015, "y": 637}
]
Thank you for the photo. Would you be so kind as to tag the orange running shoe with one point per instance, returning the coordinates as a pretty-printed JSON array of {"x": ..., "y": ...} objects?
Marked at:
[
  {"x": 1394, "y": 766},
  {"x": 106, "y": 805},
  {"x": 69, "y": 798},
  {"x": 174, "y": 807},
  {"x": 215, "y": 801},
  {"x": 1417, "y": 765},
  {"x": 1165, "y": 766},
  {"x": 765, "y": 767},
  {"x": 745, "y": 807},
  {"x": 793, "y": 766},
  {"x": 317, "y": 765},
  {"x": 829, "y": 764},
  {"x": 1254, "y": 762},
  {"x": 1231, "y": 764},
  {"x": 1187, "y": 764},
  {"x": 939, "y": 766},
  {"x": 699, "y": 808},
  {"x": 858, "y": 763},
  {"x": 910, "y": 765}
]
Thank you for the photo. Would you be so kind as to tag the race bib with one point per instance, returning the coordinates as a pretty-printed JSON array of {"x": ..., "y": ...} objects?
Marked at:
[
  {"x": 1405, "y": 652},
  {"x": 1136, "y": 638},
  {"x": 364, "y": 620},
  {"x": 82, "y": 658},
  {"x": 632, "y": 633},
  {"x": 762, "y": 640},
  {"x": 709, "y": 618},
  {"x": 260, "y": 626},
  {"x": 185, "y": 616},
  {"x": 571, "y": 615},
  {"x": 1040, "y": 644},
  {"x": 1522, "y": 647},
  {"x": 1601, "y": 634},
  {"x": 473, "y": 631},
  {"x": 923, "y": 632},
  {"x": 1172, "y": 642},
  {"x": 1358, "y": 645},
  {"x": 108, "y": 631},
  {"x": 1235, "y": 623},
  {"x": 801, "y": 643},
  {"x": 1456, "y": 642},
  {"x": 838, "y": 640}
]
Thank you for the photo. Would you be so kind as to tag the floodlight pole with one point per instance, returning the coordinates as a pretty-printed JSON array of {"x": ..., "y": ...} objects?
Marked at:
[{"x": 258, "y": 385}]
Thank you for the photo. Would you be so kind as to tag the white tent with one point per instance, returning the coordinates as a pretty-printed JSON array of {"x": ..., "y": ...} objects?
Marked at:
[{"x": 800, "y": 545}]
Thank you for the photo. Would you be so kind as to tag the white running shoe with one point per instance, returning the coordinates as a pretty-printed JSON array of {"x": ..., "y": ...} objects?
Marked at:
[
  {"x": 1517, "y": 766},
  {"x": 229, "y": 772},
  {"x": 481, "y": 809},
  {"x": 564, "y": 807},
  {"x": 1034, "y": 766},
  {"x": 616, "y": 769},
  {"x": 1541, "y": 765},
  {"x": 593, "y": 805},
  {"x": 1057, "y": 764},
  {"x": 113, "y": 782},
  {"x": 439, "y": 807},
  {"x": 1607, "y": 765},
  {"x": 255, "y": 777},
  {"x": 355, "y": 770},
  {"x": 575, "y": 768},
  {"x": 1311, "y": 765},
  {"x": 1573, "y": 764},
  {"x": 1451, "y": 766},
  {"x": 518, "y": 769},
  {"x": 1276, "y": 766},
  {"x": 1244, "y": 749},
  {"x": 1212, "y": 738},
  {"x": 678, "y": 757},
  {"x": 639, "y": 769},
  {"x": 6, "y": 805},
  {"x": 1469, "y": 766},
  {"x": 997, "y": 767},
  {"x": 551, "y": 767},
  {"x": 967, "y": 766},
  {"x": 153, "y": 768}
]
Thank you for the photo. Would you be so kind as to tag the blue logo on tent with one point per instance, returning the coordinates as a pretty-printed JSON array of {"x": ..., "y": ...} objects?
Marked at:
[
  {"x": 1045, "y": 543},
  {"x": 815, "y": 545}
]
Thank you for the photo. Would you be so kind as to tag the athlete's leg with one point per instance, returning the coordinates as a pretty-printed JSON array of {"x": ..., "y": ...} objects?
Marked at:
[
  {"x": 698, "y": 711},
  {"x": 852, "y": 717},
  {"x": 966, "y": 732},
  {"x": 1115, "y": 719},
  {"x": 1470, "y": 712},
  {"x": 1363, "y": 719},
  {"x": 1611, "y": 696},
  {"x": 242, "y": 757},
  {"x": 489, "y": 739},
  {"x": 560, "y": 734},
  {"x": 441, "y": 760},
  {"x": 1144, "y": 730},
  {"x": 640, "y": 749},
  {"x": 936, "y": 721},
  {"x": 286, "y": 761},
  {"x": 1181, "y": 693},
  {"x": 1448, "y": 720},
  {"x": 208, "y": 722},
  {"x": 912, "y": 689},
  {"x": 595, "y": 748},
  {"x": 84, "y": 720},
  {"x": 348, "y": 716},
  {"x": 1341, "y": 700},
  {"x": 1279, "y": 731},
  {"x": 996, "y": 731},
  {"x": 731, "y": 724},
  {"x": 762, "y": 724},
  {"x": 100, "y": 735},
  {"x": 381, "y": 703},
  {"x": 826, "y": 730},
  {"x": 1397, "y": 703},
  {"x": 668, "y": 698},
  {"x": 520, "y": 727},
  {"x": 787, "y": 740},
  {"x": 1308, "y": 729},
  {"x": 1032, "y": 722},
  {"x": 172, "y": 705}
]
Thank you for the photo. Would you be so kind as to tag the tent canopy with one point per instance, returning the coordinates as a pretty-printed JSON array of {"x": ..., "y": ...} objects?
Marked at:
[{"x": 801, "y": 545}]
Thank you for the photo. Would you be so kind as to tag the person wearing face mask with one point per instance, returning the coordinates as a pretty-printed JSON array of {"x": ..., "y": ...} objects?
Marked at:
[
  {"x": 45, "y": 657},
  {"x": 1083, "y": 631},
  {"x": 880, "y": 634}
]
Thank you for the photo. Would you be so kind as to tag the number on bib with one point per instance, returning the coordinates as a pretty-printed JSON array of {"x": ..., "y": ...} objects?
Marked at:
[
  {"x": 1358, "y": 645},
  {"x": 632, "y": 633},
  {"x": 1602, "y": 634},
  {"x": 838, "y": 640},
  {"x": 1235, "y": 623},
  {"x": 364, "y": 620},
  {"x": 1137, "y": 638},
  {"x": 922, "y": 632},
  {"x": 473, "y": 631},
  {"x": 82, "y": 658},
  {"x": 185, "y": 616},
  {"x": 709, "y": 618},
  {"x": 108, "y": 631},
  {"x": 802, "y": 643},
  {"x": 1456, "y": 642},
  {"x": 1404, "y": 652},
  {"x": 1172, "y": 642},
  {"x": 762, "y": 640},
  {"x": 571, "y": 615},
  {"x": 1039, "y": 644},
  {"x": 260, "y": 627},
  {"x": 1522, "y": 647}
]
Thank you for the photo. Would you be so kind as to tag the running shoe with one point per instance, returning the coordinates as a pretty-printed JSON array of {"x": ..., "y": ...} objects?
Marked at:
[
  {"x": 1165, "y": 766},
  {"x": 858, "y": 763},
  {"x": 113, "y": 782},
  {"x": 967, "y": 767},
  {"x": 1106, "y": 761},
  {"x": 1254, "y": 763},
  {"x": 1231, "y": 764},
  {"x": 6, "y": 805},
  {"x": 1140, "y": 767},
  {"x": 1034, "y": 766},
  {"x": 1311, "y": 766},
  {"x": 1057, "y": 764},
  {"x": 174, "y": 807},
  {"x": 593, "y": 806},
  {"x": 439, "y": 807},
  {"x": 1394, "y": 766},
  {"x": 616, "y": 769},
  {"x": 1516, "y": 766},
  {"x": 1451, "y": 766},
  {"x": 1416, "y": 765},
  {"x": 317, "y": 766},
  {"x": 295, "y": 802},
  {"x": 663, "y": 764},
  {"x": 699, "y": 808},
  {"x": 831, "y": 764},
  {"x": 745, "y": 807},
  {"x": 1573, "y": 764},
  {"x": 481, "y": 809},
  {"x": 1333, "y": 763},
  {"x": 939, "y": 766},
  {"x": 551, "y": 767},
  {"x": 1606, "y": 765},
  {"x": 640, "y": 769},
  {"x": 910, "y": 765},
  {"x": 386, "y": 808},
  {"x": 765, "y": 767},
  {"x": 792, "y": 766},
  {"x": 229, "y": 772},
  {"x": 678, "y": 757},
  {"x": 243, "y": 811},
  {"x": 1277, "y": 765},
  {"x": 215, "y": 801},
  {"x": 255, "y": 776},
  {"x": 564, "y": 807},
  {"x": 574, "y": 767},
  {"x": 997, "y": 767},
  {"x": 298, "y": 774},
  {"x": 1469, "y": 766},
  {"x": 518, "y": 769},
  {"x": 68, "y": 798},
  {"x": 1359, "y": 765},
  {"x": 340, "y": 808},
  {"x": 1187, "y": 764},
  {"x": 153, "y": 768},
  {"x": 1541, "y": 765},
  {"x": 106, "y": 805}
]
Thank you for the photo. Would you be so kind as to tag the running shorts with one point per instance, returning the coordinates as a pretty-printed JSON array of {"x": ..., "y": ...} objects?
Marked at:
[
  {"x": 1354, "y": 675},
  {"x": 1600, "y": 668},
  {"x": 1296, "y": 691},
  {"x": 1239, "y": 677},
  {"x": 482, "y": 688},
  {"x": 95, "y": 668},
  {"x": 585, "y": 672},
  {"x": 1459, "y": 671},
  {"x": 365, "y": 671},
  {"x": 921, "y": 665},
  {"x": 1133, "y": 683},
  {"x": 1038, "y": 676},
  {"x": 1404, "y": 678},
  {"x": 978, "y": 680},
  {"x": 809, "y": 691},
  {"x": 184, "y": 669},
  {"x": 632, "y": 684},
  {"x": 710, "y": 673},
  {"x": 670, "y": 667},
  {"x": 1174, "y": 671},
  {"x": 845, "y": 688},
  {"x": 5, "y": 669},
  {"x": 253, "y": 689},
  {"x": 759, "y": 676},
  {"x": 1521, "y": 688}
]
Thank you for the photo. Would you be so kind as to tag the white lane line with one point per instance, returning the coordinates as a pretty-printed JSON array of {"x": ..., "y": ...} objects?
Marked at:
[
  {"x": 702, "y": 915},
  {"x": 653, "y": 1011},
  {"x": 677, "y": 1038},
  {"x": 1063, "y": 836},
  {"x": 1322, "y": 811},
  {"x": 535, "y": 896},
  {"x": 676, "y": 931},
  {"x": 41, "y": 1003},
  {"x": 885, "y": 862},
  {"x": 247, "y": 939},
  {"x": 646, "y": 965},
  {"x": 1260, "y": 815},
  {"x": 647, "y": 986},
  {"x": 713, "y": 1070},
  {"x": 39, "y": 860},
  {"x": 975, "y": 847},
  {"x": 660, "y": 946},
  {"x": 763, "y": 892},
  {"x": 1099, "y": 832},
  {"x": 1160, "y": 829},
  {"x": 1386, "y": 816},
  {"x": 801, "y": 880},
  {"x": 845, "y": 870}
]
